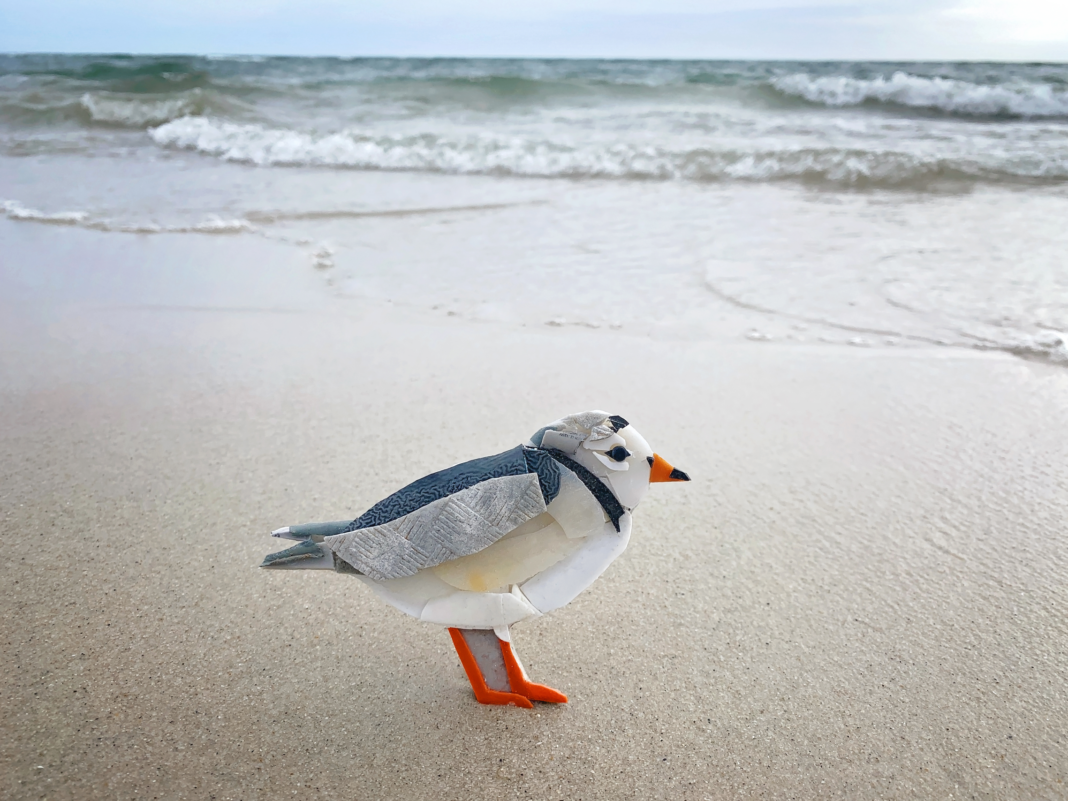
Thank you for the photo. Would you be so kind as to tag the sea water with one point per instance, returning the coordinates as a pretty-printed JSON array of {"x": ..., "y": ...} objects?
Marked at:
[{"x": 865, "y": 204}]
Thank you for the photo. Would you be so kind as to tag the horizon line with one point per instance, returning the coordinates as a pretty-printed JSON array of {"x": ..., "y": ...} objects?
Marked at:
[{"x": 808, "y": 60}]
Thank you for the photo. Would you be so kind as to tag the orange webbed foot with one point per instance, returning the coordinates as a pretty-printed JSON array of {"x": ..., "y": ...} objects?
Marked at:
[
  {"x": 497, "y": 698},
  {"x": 483, "y": 694},
  {"x": 519, "y": 682},
  {"x": 539, "y": 692}
]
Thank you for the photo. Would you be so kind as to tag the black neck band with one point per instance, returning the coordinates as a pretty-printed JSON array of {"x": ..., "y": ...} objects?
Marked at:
[{"x": 612, "y": 507}]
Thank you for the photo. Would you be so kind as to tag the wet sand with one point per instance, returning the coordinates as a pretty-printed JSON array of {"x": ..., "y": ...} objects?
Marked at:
[{"x": 861, "y": 594}]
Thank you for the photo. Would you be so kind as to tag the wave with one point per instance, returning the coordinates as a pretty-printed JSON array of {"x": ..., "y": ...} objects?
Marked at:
[
  {"x": 104, "y": 109},
  {"x": 16, "y": 211},
  {"x": 516, "y": 156},
  {"x": 122, "y": 74},
  {"x": 949, "y": 95},
  {"x": 139, "y": 113},
  {"x": 269, "y": 217},
  {"x": 212, "y": 224}
]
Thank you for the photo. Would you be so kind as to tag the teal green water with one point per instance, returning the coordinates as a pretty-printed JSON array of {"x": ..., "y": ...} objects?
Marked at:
[{"x": 915, "y": 126}]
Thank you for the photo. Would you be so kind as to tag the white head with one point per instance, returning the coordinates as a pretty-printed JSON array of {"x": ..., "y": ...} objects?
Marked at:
[{"x": 610, "y": 448}]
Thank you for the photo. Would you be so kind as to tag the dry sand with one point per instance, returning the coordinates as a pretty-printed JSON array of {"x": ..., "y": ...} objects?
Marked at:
[{"x": 861, "y": 594}]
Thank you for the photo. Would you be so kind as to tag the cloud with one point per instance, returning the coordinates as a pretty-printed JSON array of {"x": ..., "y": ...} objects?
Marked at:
[{"x": 1015, "y": 21}]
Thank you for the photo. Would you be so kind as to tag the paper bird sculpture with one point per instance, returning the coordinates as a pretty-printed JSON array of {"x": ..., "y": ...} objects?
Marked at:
[{"x": 490, "y": 542}]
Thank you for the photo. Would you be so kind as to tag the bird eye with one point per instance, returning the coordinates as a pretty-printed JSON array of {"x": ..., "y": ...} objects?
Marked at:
[{"x": 619, "y": 453}]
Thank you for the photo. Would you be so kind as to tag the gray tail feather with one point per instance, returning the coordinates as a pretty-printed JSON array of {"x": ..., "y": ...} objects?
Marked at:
[
  {"x": 302, "y": 556},
  {"x": 312, "y": 531}
]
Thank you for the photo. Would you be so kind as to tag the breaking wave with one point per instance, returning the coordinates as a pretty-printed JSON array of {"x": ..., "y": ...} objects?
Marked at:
[
  {"x": 949, "y": 95},
  {"x": 103, "y": 109},
  {"x": 139, "y": 112},
  {"x": 518, "y": 156}
]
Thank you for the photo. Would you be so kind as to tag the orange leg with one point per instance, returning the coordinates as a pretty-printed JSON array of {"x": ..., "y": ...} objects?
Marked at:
[
  {"x": 517, "y": 678},
  {"x": 483, "y": 694}
]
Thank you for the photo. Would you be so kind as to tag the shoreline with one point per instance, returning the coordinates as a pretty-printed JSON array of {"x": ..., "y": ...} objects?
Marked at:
[{"x": 405, "y": 241}]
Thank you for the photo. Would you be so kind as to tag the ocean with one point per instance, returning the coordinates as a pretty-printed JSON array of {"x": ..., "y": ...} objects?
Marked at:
[{"x": 869, "y": 205}]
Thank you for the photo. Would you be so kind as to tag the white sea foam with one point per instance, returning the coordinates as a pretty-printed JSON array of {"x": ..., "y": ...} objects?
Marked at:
[
  {"x": 516, "y": 155},
  {"x": 16, "y": 211},
  {"x": 212, "y": 224},
  {"x": 943, "y": 94}
]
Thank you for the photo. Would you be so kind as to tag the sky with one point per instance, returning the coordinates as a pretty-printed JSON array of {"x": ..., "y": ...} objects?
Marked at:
[{"x": 1000, "y": 30}]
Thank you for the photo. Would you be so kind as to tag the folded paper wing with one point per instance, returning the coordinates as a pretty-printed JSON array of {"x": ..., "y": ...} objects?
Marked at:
[
  {"x": 450, "y": 514},
  {"x": 448, "y": 528}
]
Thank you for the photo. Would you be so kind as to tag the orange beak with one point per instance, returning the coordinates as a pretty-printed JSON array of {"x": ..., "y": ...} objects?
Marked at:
[{"x": 662, "y": 471}]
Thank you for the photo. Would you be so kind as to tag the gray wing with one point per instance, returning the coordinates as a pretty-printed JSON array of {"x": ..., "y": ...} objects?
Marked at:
[{"x": 457, "y": 525}]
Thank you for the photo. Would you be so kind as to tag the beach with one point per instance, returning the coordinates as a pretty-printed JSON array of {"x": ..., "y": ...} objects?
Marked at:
[{"x": 860, "y": 594}]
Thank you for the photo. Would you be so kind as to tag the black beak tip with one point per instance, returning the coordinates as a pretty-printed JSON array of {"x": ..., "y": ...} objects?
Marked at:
[{"x": 678, "y": 475}]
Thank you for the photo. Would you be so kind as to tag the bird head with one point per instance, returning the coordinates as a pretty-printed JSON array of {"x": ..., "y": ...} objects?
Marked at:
[{"x": 612, "y": 449}]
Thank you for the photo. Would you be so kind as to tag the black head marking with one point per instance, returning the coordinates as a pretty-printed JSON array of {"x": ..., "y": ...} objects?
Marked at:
[
  {"x": 619, "y": 453},
  {"x": 649, "y": 459},
  {"x": 617, "y": 422}
]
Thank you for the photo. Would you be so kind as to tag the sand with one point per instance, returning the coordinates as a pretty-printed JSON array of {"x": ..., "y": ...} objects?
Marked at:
[{"x": 861, "y": 594}]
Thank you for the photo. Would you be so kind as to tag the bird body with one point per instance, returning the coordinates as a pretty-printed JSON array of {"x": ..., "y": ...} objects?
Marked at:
[{"x": 497, "y": 540}]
